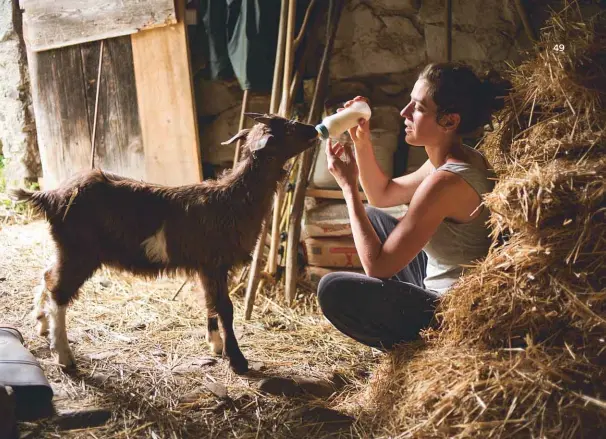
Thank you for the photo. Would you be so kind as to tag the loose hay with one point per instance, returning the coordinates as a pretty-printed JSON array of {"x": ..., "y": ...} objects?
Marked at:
[
  {"x": 450, "y": 391},
  {"x": 521, "y": 351},
  {"x": 144, "y": 356}
]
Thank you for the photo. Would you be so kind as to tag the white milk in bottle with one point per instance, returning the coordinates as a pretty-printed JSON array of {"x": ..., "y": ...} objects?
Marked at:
[{"x": 335, "y": 125}]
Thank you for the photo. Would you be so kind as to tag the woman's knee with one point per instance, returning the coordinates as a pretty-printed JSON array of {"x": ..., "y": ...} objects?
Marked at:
[
  {"x": 335, "y": 287},
  {"x": 330, "y": 285}
]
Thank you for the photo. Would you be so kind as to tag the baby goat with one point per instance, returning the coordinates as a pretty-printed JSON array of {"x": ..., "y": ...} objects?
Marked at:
[{"x": 98, "y": 218}]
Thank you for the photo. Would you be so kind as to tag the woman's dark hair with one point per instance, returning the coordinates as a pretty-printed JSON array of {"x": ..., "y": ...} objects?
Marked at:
[{"x": 455, "y": 88}]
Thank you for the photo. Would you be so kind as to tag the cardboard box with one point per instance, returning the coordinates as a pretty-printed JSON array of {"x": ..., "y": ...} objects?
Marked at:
[
  {"x": 330, "y": 219},
  {"x": 332, "y": 252}
]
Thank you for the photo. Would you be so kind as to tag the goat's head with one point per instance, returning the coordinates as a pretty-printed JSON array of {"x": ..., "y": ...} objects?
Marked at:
[{"x": 276, "y": 137}]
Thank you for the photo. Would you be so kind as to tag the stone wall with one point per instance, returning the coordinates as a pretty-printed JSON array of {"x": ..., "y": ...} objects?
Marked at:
[
  {"x": 17, "y": 128},
  {"x": 379, "y": 49}
]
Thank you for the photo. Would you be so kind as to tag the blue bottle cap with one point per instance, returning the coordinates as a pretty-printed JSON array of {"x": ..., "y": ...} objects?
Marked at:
[{"x": 323, "y": 131}]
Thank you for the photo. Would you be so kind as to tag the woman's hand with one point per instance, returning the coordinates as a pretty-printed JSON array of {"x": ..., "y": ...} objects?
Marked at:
[
  {"x": 342, "y": 165},
  {"x": 360, "y": 134}
]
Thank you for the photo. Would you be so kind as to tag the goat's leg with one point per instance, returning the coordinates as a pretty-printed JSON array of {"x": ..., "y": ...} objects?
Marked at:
[
  {"x": 225, "y": 308},
  {"x": 213, "y": 338},
  {"x": 219, "y": 303},
  {"x": 63, "y": 281}
]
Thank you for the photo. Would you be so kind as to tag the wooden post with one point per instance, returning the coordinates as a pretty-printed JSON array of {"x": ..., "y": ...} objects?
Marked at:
[
  {"x": 255, "y": 268},
  {"x": 448, "y": 27},
  {"x": 294, "y": 232}
]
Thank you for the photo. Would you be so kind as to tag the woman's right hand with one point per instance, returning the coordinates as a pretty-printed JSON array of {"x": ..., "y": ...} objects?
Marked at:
[{"x": 360, "y": 134}]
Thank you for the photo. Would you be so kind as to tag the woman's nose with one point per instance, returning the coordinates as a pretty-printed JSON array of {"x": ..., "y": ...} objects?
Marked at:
[{"x": 405, "y": 113}]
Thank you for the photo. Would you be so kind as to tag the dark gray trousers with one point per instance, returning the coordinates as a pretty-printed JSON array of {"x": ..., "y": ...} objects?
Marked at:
[{"x": 379, "y": 312}]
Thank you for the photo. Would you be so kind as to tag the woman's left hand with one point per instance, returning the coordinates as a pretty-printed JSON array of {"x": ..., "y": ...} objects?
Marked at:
[{"x": 342, "y": 165}]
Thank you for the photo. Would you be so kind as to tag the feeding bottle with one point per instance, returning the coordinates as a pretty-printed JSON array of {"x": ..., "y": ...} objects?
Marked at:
[{"x": 335, "y": 125}]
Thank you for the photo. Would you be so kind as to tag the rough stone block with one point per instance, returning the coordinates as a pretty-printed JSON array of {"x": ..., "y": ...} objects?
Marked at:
[{"x": 368, "y": 43}]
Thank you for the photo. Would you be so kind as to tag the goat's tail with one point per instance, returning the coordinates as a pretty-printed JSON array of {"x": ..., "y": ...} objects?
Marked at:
[
  {"x": 42, "y": 201},
  {"x": 18, "y": 194}
]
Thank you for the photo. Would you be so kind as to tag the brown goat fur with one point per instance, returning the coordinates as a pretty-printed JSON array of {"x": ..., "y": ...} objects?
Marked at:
[{"x": 98, "y": 218}]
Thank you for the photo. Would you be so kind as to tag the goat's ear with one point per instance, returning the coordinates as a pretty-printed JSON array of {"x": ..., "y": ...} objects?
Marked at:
[
  {"x": 241, "y": 135},
  {"x": 261, "y": 143},
  {"x": 258, "y": 117}
]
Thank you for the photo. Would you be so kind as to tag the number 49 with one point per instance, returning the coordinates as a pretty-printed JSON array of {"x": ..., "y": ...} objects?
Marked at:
[{"x": 558, "y": 48}]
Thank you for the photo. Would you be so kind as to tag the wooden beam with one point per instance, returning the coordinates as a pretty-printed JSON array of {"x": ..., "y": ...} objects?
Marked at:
[
  {"x": 166, "y": 104},
  {"x": 59, "y": 23}
]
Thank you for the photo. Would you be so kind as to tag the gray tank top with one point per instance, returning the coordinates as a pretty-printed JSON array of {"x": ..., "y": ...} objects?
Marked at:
[{"x": 454, "y": 245}]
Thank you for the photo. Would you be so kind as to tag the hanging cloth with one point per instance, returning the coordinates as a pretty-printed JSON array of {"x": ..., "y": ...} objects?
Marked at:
[{"x": 242, "y": 38}]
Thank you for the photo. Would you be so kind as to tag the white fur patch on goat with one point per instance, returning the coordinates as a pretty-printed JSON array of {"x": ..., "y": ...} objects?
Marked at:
[
  {"x": 58, "y": 334},
  {"x": 155, "y": 247}
]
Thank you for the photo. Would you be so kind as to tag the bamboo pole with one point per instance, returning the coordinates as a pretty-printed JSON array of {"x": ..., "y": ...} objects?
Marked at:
[
  {"x": 296, "y": 81},
  {"x": 241, "y": 126},
  {"x": 279, "y": 64},
  {"x": 334, "y": 14},
  {"x": 255, "y": 268},
  {"x": 289, "y": 59},
  {"x": 272, "y": 260},
  {"x": 448, "y": 28}
]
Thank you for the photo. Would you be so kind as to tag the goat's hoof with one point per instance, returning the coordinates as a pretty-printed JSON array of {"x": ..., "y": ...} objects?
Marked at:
[
  {"x": 66, "y": 360},
  {"x": 239, "y": 366}
]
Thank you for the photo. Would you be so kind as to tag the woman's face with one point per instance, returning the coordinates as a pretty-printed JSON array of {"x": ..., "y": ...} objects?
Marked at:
[{"x": 422, "y": 127}]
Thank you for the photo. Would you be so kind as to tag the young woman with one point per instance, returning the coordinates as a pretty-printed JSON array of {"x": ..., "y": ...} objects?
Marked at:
[{"x": 410, "y": 264}]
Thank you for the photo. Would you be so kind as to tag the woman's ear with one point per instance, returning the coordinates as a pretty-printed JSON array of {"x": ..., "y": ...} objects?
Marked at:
[{"x": 450, "y": 121}]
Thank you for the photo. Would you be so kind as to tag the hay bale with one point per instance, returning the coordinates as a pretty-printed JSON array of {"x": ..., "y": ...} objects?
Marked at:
[
  {"x": 454, "y": 392},
  {"x": 557, "y": 107},
  {"x": 520, "y": 351}
]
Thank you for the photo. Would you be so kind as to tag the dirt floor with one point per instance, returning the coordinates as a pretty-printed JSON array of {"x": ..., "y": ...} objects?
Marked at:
[{"x": 142, "y": 356}]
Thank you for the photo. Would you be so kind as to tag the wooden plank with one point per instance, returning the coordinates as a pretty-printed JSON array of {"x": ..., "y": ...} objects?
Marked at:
[
  {"x": 59, "y": 23},
  {"x": 166, "y": 104},
  {"x": 118, "y": 144},
  {"x": 61, "y": 113},
  {"x": 335, "y": 194}
]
